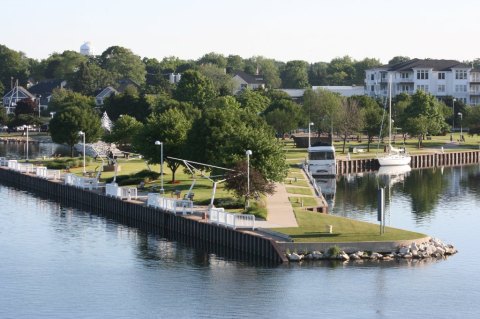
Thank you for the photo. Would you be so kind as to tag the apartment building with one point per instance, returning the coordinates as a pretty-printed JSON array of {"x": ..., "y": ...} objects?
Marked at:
[{"x": 437, "y": 77}]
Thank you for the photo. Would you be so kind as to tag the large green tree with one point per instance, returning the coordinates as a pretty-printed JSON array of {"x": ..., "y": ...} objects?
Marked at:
[
  {"x": 67, "y": 123},
  {"x": 295, "y": 75},
  {"x": 284, "y": 115},
  {"x": 341, "y": 71},
  {"x": 254, "y": 101},
  {"x": 171, "y": 128},
  {"x": 62, "y": 98},
  {"x": 213, "y": 58},
  {"x": 350, "y": 119},
  {"x": 268, "y": 68},
  {"x": 128, "y": 103},
  {"x": 122, "y": 63},
  {"x": 223, "y": 134},
  {"x": 89, "y": 78},
  {"x": 317, "y": 73},
  {"x": 13, "y": 65},
  {"x": 322, "y": 108},
  {"x": 194, "y": 88},
  {"x": 222, "y": 82},
  {"x": 62, "y": 66},
  {"x": 124, "y": 130}
]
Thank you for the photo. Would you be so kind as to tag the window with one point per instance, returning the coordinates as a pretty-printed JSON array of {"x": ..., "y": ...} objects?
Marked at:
[
  {"x": 404, "y": 75},
  {"x": 422, "y": 74},
  {"x": 321, "y": 156},
  {"x": 372, "y": 88},
  {"x": 441, "y": 88},
  {"x": 460, "y": 74},
  {"x": 372, "y": 77},
  {"x": 422, "y": 87},
  {"x": 460, "y": 88},
  {"x": 441, "y": 75},
  {"x": 404, "y": 88}
]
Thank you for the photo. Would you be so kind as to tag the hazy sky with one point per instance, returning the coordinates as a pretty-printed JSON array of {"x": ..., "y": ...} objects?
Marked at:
[{"x": 284, "y": 30}]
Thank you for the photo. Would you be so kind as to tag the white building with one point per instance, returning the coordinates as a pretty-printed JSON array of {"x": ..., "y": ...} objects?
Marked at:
[
  {"x": 244, "y": 81},
  {"x": 437, "y": 77},
  {"x": 86, "y": 49}
]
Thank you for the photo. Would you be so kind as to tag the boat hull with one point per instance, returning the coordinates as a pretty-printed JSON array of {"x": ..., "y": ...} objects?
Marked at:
[{"x": 394, "y": 160}]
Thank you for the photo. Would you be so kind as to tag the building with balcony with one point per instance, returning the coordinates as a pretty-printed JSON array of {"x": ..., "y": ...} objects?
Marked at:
[{"x": 437, "y": 77}]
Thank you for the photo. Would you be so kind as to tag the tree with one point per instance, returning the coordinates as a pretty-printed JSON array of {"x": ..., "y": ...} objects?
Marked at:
[
  {"x": 162, "y": 103},
  {"x": 398, "y": 59},
  {"x": 156, "y": 81},
  {"x": 127, "y": 103},
  {"x": 171, "y": 128},
  {"x": 123, "y": 64},
  {"x": 213, "y": 58},
  {"x": 25, "y": 106},
  {"x": 62, "y": 66},
  {"x": 66, "y": 124},
  {"x": 62, "y": 99},
  {"x": 3, "y": 116},
  {"x": 235, "y": 63},
  {"x": 223, "y": 134},
  {"x": 361, "y": 66},
  {"x": 124, "y": 130},
  {"x": 423, "y": 115},
  {"x": 295, "y": 75},
  {"x": 350, "y": 119},
  {"x": 194, "y": 88},
  {"x": 372, "y": 113},
  {"x": 254, "y": 101},
  {"x": 341, "y": 71},
  {"x": 472, "y": 119},
  {"x": 317, "y": 73},
  {"x": 283, "y": 115},
  {"x": 89, "y": 78},
  {"x": 268, "y": 68},
  {"x": 322, "y": 108},
  {"x": 13, "y": 65},
  {"x": 222, "y": 82},
  {"x": 237, "y": 180}
]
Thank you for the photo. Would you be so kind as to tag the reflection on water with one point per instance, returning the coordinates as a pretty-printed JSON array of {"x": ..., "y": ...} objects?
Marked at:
[{"x": 19, "y": 150}]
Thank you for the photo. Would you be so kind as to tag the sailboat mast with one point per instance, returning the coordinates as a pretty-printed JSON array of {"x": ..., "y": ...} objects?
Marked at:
[{"x": 389, "y": 110}]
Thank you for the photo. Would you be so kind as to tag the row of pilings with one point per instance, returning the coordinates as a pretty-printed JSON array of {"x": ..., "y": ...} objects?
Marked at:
[
  {"x": 239, "y": 244},
  {"x": 345, "y": 166}
]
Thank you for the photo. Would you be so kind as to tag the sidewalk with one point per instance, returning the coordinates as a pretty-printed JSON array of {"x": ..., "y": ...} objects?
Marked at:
[{"x": 280, "y": 211}]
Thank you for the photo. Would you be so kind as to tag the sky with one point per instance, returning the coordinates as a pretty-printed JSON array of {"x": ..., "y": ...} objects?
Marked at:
[{"x": 310, "y": 30}]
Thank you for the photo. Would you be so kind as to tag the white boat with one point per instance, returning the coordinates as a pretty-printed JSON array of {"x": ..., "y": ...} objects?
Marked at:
[
  {"x": 321, "y": 160},
  {"x": 394, "y": 174},
  {"x": 394, "y": 156}
]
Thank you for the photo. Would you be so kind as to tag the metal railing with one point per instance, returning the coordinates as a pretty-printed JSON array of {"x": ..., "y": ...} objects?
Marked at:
[
  {"x": 183, "y": 206},
  {"x": 43, "y": 172},
  {"x": 127, "y": 193},
  {"x": 81, "y": 182},
  {"x": 20, "y": 167},
  {"x": 220, "y": 217},
  {"x": 313, "y": 182}
]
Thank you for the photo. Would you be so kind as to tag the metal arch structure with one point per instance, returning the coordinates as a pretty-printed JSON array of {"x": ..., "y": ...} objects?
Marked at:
[{"x": 190, "y": 166}]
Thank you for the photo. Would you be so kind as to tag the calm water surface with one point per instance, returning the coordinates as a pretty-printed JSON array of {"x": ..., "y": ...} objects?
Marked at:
[{"x": 60, "y": 262}]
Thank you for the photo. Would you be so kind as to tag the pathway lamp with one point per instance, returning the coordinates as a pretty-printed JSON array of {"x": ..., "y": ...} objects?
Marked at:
[
  {"x": 162, "y": 191},
  {"x": 453, "y": 119},
  {"x": 309, "y": 124},
  {"x": 461, "y": 126},
  {"x": 82, "y": 133},
  {"x": 248, "y": 153}
]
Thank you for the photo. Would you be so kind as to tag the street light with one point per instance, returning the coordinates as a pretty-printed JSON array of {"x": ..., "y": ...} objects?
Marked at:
[
  {"x": 248, "y": 153},
  {"x": 461, "y": 126},
  {"x": 162, "y": 191},
  {"x": 453, "y": 121},
  {"x": 81, "y": 133},
  {"x": 309, "y": 124},
  {"x": 27, "y": 143}
]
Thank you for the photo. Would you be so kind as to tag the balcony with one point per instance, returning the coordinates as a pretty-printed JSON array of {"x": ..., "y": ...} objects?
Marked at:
[
  {"x": 474, "y": 92},
  {"x": 474, "y": 79}
]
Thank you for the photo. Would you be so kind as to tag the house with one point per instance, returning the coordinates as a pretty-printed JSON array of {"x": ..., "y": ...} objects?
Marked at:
[
  {"x": 43, "y": 91},
  {"x": 244, "y": 81},
  {"x": 13, "y": 96},
  {"x": 122, "y": 85},
  {"x": 438, "y": 77}
]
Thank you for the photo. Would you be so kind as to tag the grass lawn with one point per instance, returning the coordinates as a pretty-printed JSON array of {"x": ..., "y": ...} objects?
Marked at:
[
  {"x": 299, "y": 182},
  {"x": 307, "y": 201},
  {"x": 298, "y": 190},
  {"x": 312, "y": 228}
]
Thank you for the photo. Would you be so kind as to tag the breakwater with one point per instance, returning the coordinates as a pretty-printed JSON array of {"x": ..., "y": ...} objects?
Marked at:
[
  {"x": 243, "y": 243},
  {"x": 345, "y": 166}
]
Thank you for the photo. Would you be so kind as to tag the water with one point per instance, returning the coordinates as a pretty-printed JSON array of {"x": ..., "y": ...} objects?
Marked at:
[
  {"x": 60, "y": 262},
  {"x": 19, "y": 150}
]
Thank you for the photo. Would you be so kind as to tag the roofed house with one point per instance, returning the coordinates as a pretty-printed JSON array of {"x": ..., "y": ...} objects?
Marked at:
[
  {"x": 13, "y": 96},
  {"x": 122, "y": 85},
  {"x": 244, "y": 81},
  {"x": 43, "y": 91}
]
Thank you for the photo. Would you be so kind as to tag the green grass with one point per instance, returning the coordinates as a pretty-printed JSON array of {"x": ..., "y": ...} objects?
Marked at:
[
  {"x": 299, "y": 182},
  {"x": 312, "y": 228},
  {"x": 298, "y": 190},
  {"x": 307, "y": 201}
]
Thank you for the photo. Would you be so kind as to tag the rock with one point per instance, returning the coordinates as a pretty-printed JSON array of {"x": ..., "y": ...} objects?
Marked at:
[
  {"x": 408, "y": 256},
  {"x": 375, "y": 255},
  {"x": 294, "y": 257},
  {"x": 413, "y": 246},
  {"x": 309, "y": 257},
  {"x": 354, "y": 256},
  {"x": 317, "y": 255},
  {"x": 343, "y": 256},
  {"x": 404, "y": 250},
  {"x": 440, "y": 251}
]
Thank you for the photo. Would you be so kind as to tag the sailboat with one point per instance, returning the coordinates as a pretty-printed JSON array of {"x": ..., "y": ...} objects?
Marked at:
[{"x": 394, "y": 156}]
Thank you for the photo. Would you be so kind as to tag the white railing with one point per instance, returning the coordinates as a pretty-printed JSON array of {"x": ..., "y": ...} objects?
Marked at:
[
  {"x": 46, "y": 173},
  {"x": 20, "y": 167},
  {"x": 127, "y": 193},
  {"x": 313, "y": 182},
  {"x": 3, "y": 161},
  {"x": 171, "y": 205},
  {"x": 81, "y": 182},
  {"x": 220, "y": 217},
  {"x": 12, "y": 164}
]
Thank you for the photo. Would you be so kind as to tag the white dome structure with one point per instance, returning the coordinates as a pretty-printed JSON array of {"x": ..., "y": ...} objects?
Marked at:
[{"x": 86, "y": 49}]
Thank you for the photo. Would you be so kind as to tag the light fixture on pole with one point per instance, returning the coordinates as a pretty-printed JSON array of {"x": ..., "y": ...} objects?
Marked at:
[
  {"x": 248, "y": 153},
  {"x": 461, "y": 126},
  {"x": 309, "y": 124},
  {"x": 162, "y": 191},
  {"x": 453, "y": 119},
  {"x": 82, "y": 133},
  {"x": 27, "y": 143}
]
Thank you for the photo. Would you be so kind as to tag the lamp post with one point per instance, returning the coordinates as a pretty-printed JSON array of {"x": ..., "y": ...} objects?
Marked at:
[
  {"x": 162, "y": 191},
  {"x": 248, "y": 153},
  {"x": 27, "y": 144},
  {"x": 309, "y": 124},
  {"x": 82, "y": 133},
  {"x": 453, "y": 119},
  {"x": 461, "y": 126}
]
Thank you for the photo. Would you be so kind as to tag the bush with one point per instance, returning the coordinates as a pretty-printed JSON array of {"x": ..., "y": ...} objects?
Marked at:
[
  {"x": 130, "y": 181},
  {"x": 333, "y": 251},
  {"x": 259, "y": 210}
]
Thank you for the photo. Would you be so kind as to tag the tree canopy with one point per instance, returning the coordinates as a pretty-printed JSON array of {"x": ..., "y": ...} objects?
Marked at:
[{"x": 122, "y": 63}]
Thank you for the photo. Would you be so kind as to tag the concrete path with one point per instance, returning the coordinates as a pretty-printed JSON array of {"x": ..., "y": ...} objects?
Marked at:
[{"x": 280, "y": 211}]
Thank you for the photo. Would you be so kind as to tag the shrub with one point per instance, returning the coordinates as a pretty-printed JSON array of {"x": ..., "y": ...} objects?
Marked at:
[
  {"x": 333, "y": 251},
  {"x": 130, "y": 181}
]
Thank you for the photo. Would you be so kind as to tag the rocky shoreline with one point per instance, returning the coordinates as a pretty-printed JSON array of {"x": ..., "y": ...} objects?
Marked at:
[{"x": 433, "y": 248}]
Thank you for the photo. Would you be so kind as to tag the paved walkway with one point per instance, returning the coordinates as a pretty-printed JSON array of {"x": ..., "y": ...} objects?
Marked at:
[{"x": 280, "y": 211}]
